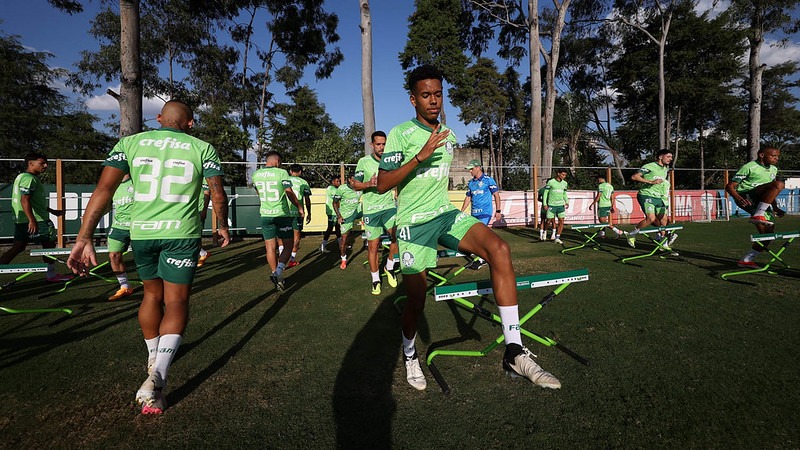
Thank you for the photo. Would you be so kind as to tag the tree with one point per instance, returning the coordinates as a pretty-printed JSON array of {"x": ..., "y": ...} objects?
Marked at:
[
  {"x": 761, "y": 17},
  {"x": 518, "y": 26},
  {"x": 436, "y": 36},
  {"x": 35, "y": 116},
  {"x": 367, "y": 99},
  {"x": 779, "y": 113},
  {"x": 297, "y": 126},
  {"x": 641, "y": 15}
]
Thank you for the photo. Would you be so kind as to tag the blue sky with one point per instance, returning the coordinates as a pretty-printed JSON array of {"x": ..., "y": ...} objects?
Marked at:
[{"x": 44, "y": 28}]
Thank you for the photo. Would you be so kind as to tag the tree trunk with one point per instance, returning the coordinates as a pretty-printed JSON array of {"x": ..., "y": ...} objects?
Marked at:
[
  {"x": 265, "y": 95},
  {"x": 244, "y": 74},
  {"x": 756, "y": 72},
  {"x": 536, "y": 90},
  {"x": 367, "y": 98},
  {"x": 702, "y": 158},
  {"x": 500, "y": 159},
  {"x": 550, "y": 95},
  {"x": 130, "y": 95},
  {"x": 662, "y": 94}
]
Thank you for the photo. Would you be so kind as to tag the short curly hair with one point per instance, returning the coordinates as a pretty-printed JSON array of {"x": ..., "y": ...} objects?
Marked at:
[{"x": 423, "y": 72}]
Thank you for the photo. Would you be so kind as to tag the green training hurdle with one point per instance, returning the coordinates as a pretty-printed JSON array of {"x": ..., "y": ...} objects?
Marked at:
[
  {"x": 584, "y": 229},
  {"x": 26, "y": 270},
  {"x": 776, "y": 256},
  {"x": 54, "y": 253},
  {"x": 459, "y": 292},
  {"x": 661, "y": 244}
]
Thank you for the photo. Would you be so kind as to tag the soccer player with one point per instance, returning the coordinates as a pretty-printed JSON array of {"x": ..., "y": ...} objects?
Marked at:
[
  {"x": 379, "y": 213},
  {"x": 556, "y": 202},
  {"x": 544, "y": 222},
  {"x": 651, "y": 197},
  {"x": 481, "y": 190},
  {"x": 31, "y": 218},
  {"x": 605, "y": 205},
  {"x": 755, "y": 189},
  {"x": 167, "y": 167},
  {"x": 333, "y": 222},
  {"x": 119, "y": 237},
  {"x": 274, "y": 189},
  {"x": 345, "y": 205},
  {"x": 417, "y": 161},
  {"x": 300, "y": 189},
  {"x": 204, "y": 201}
]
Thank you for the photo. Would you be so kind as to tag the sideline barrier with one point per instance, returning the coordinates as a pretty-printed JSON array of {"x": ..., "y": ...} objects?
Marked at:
[
  {"x": 776, "y": 256},
  {"x": 458, "y": 292},
  {"x": 661, "y": 244}
]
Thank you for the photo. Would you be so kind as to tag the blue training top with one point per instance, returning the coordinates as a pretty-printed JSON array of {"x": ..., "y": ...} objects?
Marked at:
[{"x": 481, "y": 190}]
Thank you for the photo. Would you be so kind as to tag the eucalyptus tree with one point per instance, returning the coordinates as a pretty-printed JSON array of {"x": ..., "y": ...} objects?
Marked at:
[
  {"x": 367, "y": 97},
  {"x": 437, "y": 36},
  {"x": 761, "y": 18}
]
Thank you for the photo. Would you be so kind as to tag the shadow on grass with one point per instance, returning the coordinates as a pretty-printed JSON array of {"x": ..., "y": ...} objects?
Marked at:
[
  {"x": 362, "y": 396},
  {"x": 16, "y": 350},
  {"x": 198, "y": 379}
]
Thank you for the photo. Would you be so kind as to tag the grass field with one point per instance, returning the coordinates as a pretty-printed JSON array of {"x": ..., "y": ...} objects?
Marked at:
[{"x": 679, "y": 357}]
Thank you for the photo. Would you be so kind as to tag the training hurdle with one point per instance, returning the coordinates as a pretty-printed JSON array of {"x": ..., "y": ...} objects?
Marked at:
[
  {"x": 584, "y": 229},
  {"x": 54, "y": 253},
  {"x": 661, "y": 244},
  {"x": 26, "y": 270},
  {"x": 458, "y": 293},
  {"x": 776, "y": 256}
]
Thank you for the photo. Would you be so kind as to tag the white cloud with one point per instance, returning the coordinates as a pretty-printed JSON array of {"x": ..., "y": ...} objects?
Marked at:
[
  {"x": 105, "y": 102},
  {"x": 715, "y": 7},
  {"x": 772, "y": 54}
]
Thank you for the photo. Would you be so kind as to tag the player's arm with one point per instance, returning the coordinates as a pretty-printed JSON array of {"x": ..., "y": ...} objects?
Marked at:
[
  {"x": 363, "y": 185},
  {"x": 730, "y": 188},
  {"x": 336, "y": 203},
  {"x": 206, "y": 201},
  {"x": 638, "y": 176},
  {"x": 545, "y": 197},
  {"x": 219, "y": 201},
  {"x": 388, "y": 179},
  {"x": 307, "y": 197},
  {"x": 25, "y": 201},
  {"x": 467, "y": 201},
  {"x": 566, "y": 200},
  {"x": 499, "y": 206},
  {"x": 613, "y": 201},
  {"x": 83, "y": 254},
  {"x": 596, "y": 199}
]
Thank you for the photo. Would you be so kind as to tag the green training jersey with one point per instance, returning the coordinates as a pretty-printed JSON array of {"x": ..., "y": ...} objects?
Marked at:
[
  {"x": 605, "y": 190},
  {"x": 555, "y": 193},
  {"x": 271, "y": 184},
  {"x": 422, "y": 195},
  {"x": 122, "y": 201},
  {"x": 372, "y": 200},
  {"x": 301, "y": 190},
  {"x": 330, "y": 192},
  {"x": 754, "y": 174},
  {"x": 29, "y": 184},
  {"x": 167, "y": 168},
  {"x": 651, "y": 172},
  {"x": 348, "y": 200}
]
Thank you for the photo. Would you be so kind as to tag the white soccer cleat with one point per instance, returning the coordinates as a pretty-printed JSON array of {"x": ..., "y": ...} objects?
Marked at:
[
  {"x": 414, "y": 374},
  {"x": 150, "y": 395},
  {"x": 523, "y": 366}
]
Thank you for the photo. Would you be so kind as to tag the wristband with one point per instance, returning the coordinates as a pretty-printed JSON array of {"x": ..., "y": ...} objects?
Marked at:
[
  {"x": 497, "y": 210},
  {"x": 417, "y": 158}
]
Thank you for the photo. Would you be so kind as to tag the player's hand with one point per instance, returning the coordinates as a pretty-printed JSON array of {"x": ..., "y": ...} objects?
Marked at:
[
  {"x": 435, "y": 140},
  {"x": 658, "y": 181},
  {"x": 566, "y": 206},
  {"x": 308, "y": 219},
  {"x": 341, "y": 220},
  {"x": 545, "y": 207},
  {"x": 82, "y": 257},
  {"x": 374, "y": 180},
  {"x": 612, "y": 209},
  {"x": 591, "y": 207},
  {"x": 222, "y": 238},
  {"x": 742, "y": 202},
  {"x": 33, "y": 227}
]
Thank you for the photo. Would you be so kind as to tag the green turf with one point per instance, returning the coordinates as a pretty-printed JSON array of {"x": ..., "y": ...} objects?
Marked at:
[{"x": 679, "y": 357}]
